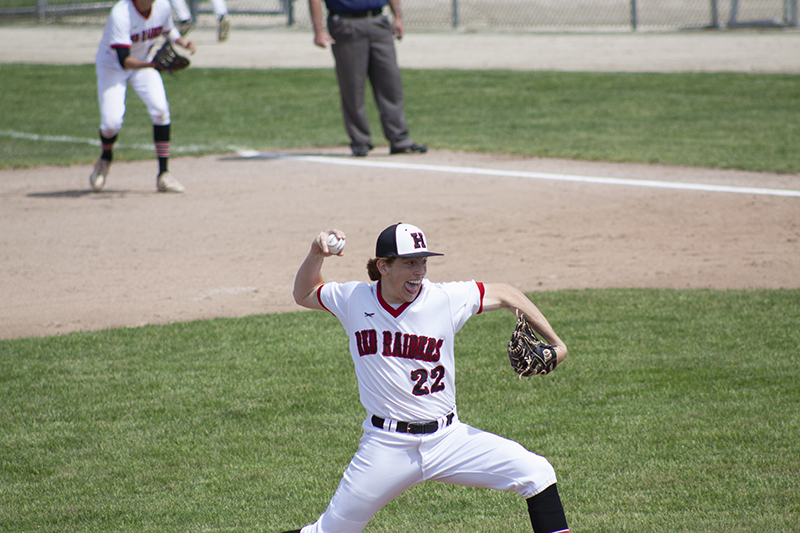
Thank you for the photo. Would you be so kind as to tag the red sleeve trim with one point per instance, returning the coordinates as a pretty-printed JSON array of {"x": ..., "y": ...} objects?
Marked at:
[
  {"x": 482, "y": 290},
  {"x": 319, "y": 289},
  {"x": 115, "y": 46}
]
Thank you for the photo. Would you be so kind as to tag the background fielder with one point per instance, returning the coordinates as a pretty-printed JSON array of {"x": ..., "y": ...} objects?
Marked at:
[
  {"x": 132, "y": 29},
  {"x": 401, "y": 330}
]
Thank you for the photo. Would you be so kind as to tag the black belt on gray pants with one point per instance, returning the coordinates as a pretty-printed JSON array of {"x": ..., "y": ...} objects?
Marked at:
[
  {"x": 357, "y": 14},
  {"x": 410, "y": 427}
]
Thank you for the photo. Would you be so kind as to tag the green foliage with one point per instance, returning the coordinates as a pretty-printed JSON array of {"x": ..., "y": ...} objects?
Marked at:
[
  {"x": 675, "y": 411},
  {"x": 719, "y": 120}
]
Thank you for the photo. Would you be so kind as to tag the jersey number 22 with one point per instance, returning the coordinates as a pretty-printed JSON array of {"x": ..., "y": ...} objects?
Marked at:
[{"x": 421, "y": 376}]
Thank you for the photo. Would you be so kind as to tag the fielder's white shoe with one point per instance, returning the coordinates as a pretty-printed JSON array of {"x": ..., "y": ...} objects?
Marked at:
[
  {"x": 224, "y": 29},
  {"x": 166, "y": 183},
  {"x": 185, "y": 26},
  {"x": 98, "y": 177}
]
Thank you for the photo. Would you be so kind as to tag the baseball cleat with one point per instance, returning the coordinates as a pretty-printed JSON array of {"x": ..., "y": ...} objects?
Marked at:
[
  {"x": 98, "y": 177},
  {"x": 224, "y": 28},
  {"x": 413, "y": 149},
  {"x": 185, "y": 26},
  {"x": 166, "y": 183}
]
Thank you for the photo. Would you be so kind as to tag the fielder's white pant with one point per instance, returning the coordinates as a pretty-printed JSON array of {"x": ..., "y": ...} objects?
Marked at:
[
  {"x": 220, "y": 8},
  {"x": 181, "y": 9},
  {"x": 388, "y": 463},
  {"x": 183, "y": 12},
  {"x": 112, "y": 85}
]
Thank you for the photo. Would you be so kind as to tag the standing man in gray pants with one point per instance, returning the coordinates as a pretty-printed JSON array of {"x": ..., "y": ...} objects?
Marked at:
[{"x": 362, "y": 40}]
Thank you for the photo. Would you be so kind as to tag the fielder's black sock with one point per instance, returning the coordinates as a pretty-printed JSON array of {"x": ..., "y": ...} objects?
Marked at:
[
  {"x": 161, "y": 139},
  {"x": 547, "y": 513},
  {"x": 108, "y": 147}
]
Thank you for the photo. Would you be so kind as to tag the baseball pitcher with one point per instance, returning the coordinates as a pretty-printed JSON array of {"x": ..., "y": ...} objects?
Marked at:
[{"x": 401, "y": 330}]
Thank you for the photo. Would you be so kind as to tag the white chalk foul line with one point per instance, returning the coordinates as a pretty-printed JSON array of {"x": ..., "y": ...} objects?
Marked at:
[
  {"x": 247, "y": 153},
  {"x": 539, "y": 175},
  {"x": 96, "y": 142}
]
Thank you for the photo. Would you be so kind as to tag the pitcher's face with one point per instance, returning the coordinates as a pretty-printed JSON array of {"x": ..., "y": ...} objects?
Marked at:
[{"x": 401, "y": 280}]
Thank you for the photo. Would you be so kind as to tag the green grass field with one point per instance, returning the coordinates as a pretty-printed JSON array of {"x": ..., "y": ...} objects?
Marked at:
[
  {"x": 676, "y": 411},
  {"x": 723, "y": 120}
]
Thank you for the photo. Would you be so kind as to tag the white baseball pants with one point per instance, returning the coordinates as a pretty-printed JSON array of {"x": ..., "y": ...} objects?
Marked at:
[
  {"x": 181, "y": 9},
  {"x": 112, "y": 85},
  {"x": 183, "y": 13},
  {"x": 387, "y": 463}
]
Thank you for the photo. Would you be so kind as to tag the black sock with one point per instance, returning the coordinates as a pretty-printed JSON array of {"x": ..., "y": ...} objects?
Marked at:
[
  {"x": 161, "y": 139},
  {"x": 108, "y": 147},
  {"x": 547, "y": 513}
]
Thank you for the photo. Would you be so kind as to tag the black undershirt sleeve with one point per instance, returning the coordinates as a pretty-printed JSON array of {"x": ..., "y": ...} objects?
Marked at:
[{"x": 122, "y": 53}]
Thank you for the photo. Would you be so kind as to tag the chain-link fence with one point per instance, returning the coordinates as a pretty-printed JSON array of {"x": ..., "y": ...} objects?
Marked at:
[
  {"x": 520, "y": 15},
  {"x": 593, "y": 15}
]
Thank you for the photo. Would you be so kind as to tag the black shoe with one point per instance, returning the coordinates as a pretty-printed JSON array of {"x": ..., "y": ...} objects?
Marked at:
[
  {"x": 360, "y": 150},
  {"x": 413, "y": 149},
  {"x": 292, "y": 531}
]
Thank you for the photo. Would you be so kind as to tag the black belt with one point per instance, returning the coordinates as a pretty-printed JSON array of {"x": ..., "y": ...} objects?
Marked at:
[
  {"x": 357, "y": 14},
  {"x": 410, "y": 427}
]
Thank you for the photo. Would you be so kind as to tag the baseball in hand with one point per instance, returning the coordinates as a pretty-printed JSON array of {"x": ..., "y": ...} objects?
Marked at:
[{"x": 335, "y": 244}]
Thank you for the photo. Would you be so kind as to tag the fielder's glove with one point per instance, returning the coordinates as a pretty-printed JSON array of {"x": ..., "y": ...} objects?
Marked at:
[
  {"x": 529, "y": 355},
  {"x": 168, "y": 60}
]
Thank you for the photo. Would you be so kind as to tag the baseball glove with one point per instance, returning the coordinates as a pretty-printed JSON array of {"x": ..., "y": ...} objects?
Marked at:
[
  {"x": 529, "y": 355},
  {"x": 168, "y": 60}
]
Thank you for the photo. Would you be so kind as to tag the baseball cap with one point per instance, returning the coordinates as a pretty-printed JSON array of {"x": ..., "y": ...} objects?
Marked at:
[{"x": 402, "y": 240}]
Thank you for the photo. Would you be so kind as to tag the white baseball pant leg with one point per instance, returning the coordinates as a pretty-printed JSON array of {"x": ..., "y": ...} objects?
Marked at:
[
  {"x": 220, "y": 8},
  {"x": 388, "y": 463},
  {"x": 111, "y": 90},
  {"x": 181, "y": 9},
  {"x": 149, "y": 86}
]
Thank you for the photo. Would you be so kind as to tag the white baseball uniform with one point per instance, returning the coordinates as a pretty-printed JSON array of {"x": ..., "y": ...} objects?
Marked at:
[
  {"x": 128, "y": 28},
  {"x": 405, "y": 365}
]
